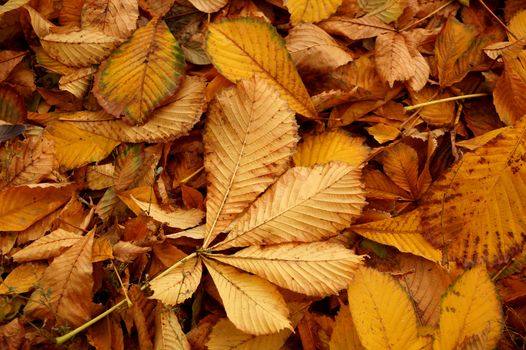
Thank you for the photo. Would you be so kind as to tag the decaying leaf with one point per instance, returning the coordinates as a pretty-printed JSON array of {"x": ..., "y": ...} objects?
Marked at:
[{"x": 168, "y": 332}]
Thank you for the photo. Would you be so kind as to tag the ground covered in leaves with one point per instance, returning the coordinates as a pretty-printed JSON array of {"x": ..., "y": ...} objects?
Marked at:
[{"x": 262, "y": 174}]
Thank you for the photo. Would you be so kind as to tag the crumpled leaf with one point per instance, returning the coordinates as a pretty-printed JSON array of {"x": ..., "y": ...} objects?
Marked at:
[
  {"x": 230, "y": 45},
  {"x": 141, "y": 73}
]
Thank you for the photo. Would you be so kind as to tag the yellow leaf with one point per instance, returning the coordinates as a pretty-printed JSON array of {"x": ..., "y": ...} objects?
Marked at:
[
  {"x": 179, "y": 218},
  {"x": 225, "y": 336},
  {"x": 476, "y": 210},
  {"x": 179, "y": 284},
  {"x": 470, "y": 309},
  {"x": 141, "y": 73},
  {"x": 116, "y": 18},
  {"x": 404, "y": 232},
  {"x": 249, "y": 139},
  {"x": 355, "y": 28},
  {"x": 382, "y": 312},
  {"x": 311, "y": 10},
  {"x": 79, "y": 49},
  {"x": 77, "y": 82},
  {"x": 168, "y": 332},
  {"x": 208, "y": 6},
  {"x": 243, "y": 47},
  {"x": 100, "y": 177},
  {"x": 386, "y": 10},
  {"x": 313, "y": 50},
  {"x": 393, "y": 60},
  {"x": 330, "y": 146},
  {"x": 22, "y": 206},
  {"x": 165, "y": 124},
  {"x": 317, "y": 268},
  {"x": 401, "y": 165},
  {"x": 252, "y": 304},
  {"x": 102, "y": 250},
  {"x": 304, "y": 205},
  {"x": 12, "y": 5},
  {"x": 383, "y": 132},
  {"x": 517, "y": 25},
  {"x": 48, "y": 246},
  {"x": 344, "y": 335},
  {"x": 67, "y": 281},
  {"x": 75, "y": 147},
  {"x": 507, "y": 94},
  {"x": 22, "y": 278}
]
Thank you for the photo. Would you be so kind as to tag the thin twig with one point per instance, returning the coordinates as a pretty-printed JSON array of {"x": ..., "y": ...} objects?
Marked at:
[
  {"x": 128, "y": 301},
  {"x": 440, "y": 8},
  {"x": 498, "y": 20},
  {"x": 189, "y": 177},
  {"x": 454, "y": 98}
]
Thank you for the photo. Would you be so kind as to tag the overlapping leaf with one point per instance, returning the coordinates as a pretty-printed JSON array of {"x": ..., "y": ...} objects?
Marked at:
[
  {"x": 168, "y": 331},
  {"x": 240, "y": 48},
  {"x": 312, "y": 204},
  {"x": 141, "y": 73},
  {"x": 48, "y": 246},
  {"x": 116, "y": 18},
  {"x": 22, "y": 278},
  {"x": 311, "y": 10},
  {"x": 179, "y": 218},
  {"x": 317, "y": 269},
  {"x": 355, "y": 28},
  {"x": 249, "y": 139},
  {"x": 386, "y": 10}
]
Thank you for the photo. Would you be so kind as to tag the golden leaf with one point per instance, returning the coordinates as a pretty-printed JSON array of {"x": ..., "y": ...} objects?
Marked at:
[
  {"x": 335, "y": 145},
  {"x": 401, "y": 165},
  {"x": 168, "y": 332},
  {"x": 382, "y": 312},
  {"x": 179, "y": 218},
  {"x": 48, "y": 246},
  {"x": 344, "y": 335},
  {"x": 393, "y": 60},
  {"x": 507, "y": 94},
  {"x": 225, "y": 336},
  {"x": 440, "y": 114},
  {"x": 77, "y": 82},
  {"x": 475, "y": 210},
  {"x": 469, "y": 309},
  {"x": 100, "y": 177},
  {"x": 141, "y": 73},
  {"x": 317, "y": 269},
  {"x": 386, "y": 10},
  {"x": 165, "y": 123},
  {"x": 22, "y": 206},
  {"x": 517, "y": 25},
  {"x": 304, "y": 205},
  {"x": 311, "y": 10},
  {"x": 22, "y": 278},
  {"x": 383, "y": 132},
  {"x": 208, "y": 6},
  {"x": 249, "y": 139},
  {"x": 251, "y": 303},
  {"x": 355, "y": 28},
  {"x": 179, "y": 284},
  {"x": 313, "y": 50},
  {"x": 75, "y": 147},
  {"x": 116, "y": 18},
  {"x": 67, "y": 281},
  {"x": 379, "y": 186},
  {"x": 404, "y": 232},
  {"x": 79, "y": 49},
  {"x": 230, "y": 45}
]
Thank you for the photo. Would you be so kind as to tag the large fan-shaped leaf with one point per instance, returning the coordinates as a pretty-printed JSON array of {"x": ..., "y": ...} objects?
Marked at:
[
  {"x": 304, "y": 205},
  {"x": 249, "y": 139},
  {"x": 165, "y": 124},
  {"x": 22, "y": 206},
  {"x": 329, "y": 146},
  {"x": 67, "y": 281},
  {"x": 141, "y": 73},
  {"x": 178, "y": 284},
  {"x": 79, "y": 49},
  {"x": 470, "y": 309},
  {"x": 252, "y": 304},
  {"x": 240, "y": 48},
  {"x": 311, "y": 10},
  {"x": 382, "y": 312},
  {"x": 476, "y": 211},
  {"x": 317, "y": 269}
]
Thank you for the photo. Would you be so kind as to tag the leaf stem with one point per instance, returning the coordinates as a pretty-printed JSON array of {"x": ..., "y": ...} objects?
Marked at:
[
  {"x": 186, "y": 179},
  {"x": 64, "y": 338},
  {"x": 454, "y": 98},
  {"x": 411, "y": 25},
  {"x": 498, "y": 20}
]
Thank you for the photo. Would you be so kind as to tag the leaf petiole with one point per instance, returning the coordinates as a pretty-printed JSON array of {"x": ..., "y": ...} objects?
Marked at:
[{"x": 454, "y": 98}]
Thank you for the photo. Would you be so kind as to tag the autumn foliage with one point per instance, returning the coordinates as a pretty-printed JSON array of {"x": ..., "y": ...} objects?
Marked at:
[{"x": 242, "y": 174}]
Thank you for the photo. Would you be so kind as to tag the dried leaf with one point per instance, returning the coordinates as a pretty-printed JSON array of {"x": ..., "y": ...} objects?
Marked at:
[
  {"x": 507, "y": 96},
  {"x": 252, "y": 304},
  {"x": 116, "y": 18},
  {"x": 11, "y": 5},
  {"x": 317, "y": 269},
  {"x": 68, "y": 280},
  {"x": 141, "y": 73},
  {"x": 208, "y": 6},
  {"x": 168, "y": 332},
  {"x": 22, "y": 278},
  {"x": 469, "y": 309},
  {"x": 355, "y": 28},
  {"x": 249, "y": 139},
  {"x": 22, "y": 206},
  {"x": 48, "y": 246},
  {"x": 393, "y": 60},
  {"x": 314, "y": 203},
  {"x": 386, "y": 10},
  {"x": 12, "y": 109},
  {"x": 230, "y": 45},
  {"x": 179, "y": 218},
  {"x": 8, "y": 61},
  {"x": 401, "y": 165},
  {"x": 311, "y": 10},
  {"x": 179, "y": 284},
  {"x": 344, "y": 335},
  {"x": 382, "y": 312}
]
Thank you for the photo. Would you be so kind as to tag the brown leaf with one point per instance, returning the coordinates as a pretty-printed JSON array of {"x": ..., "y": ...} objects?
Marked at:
[{"x": 393, "y": 60}]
